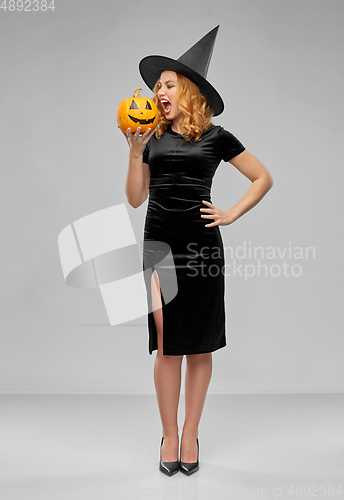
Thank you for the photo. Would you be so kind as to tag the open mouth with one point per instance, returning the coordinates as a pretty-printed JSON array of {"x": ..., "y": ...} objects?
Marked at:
[
  {"x": 167, "y": 106},
  {"x": 141, "y": 122}
]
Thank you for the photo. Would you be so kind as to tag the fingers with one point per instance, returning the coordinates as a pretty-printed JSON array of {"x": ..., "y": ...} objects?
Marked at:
[
  {"x": 136, "y": 140},
  {"x": 137, "y": 135},
  {"x": 148, "y": 134},
  {"x": 128, "y": 136},
  {"x": 131, "y": 135},
  {"x": 145, "y": 135}
]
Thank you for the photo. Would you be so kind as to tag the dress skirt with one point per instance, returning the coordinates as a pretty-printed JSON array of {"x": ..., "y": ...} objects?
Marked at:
[
  {"x": 181, "y": 174},
  {"x": 194, "y": 320}
]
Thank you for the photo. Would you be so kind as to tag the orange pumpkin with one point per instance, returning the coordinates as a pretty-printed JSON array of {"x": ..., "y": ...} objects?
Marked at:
[{"x": 137, "y": 112}]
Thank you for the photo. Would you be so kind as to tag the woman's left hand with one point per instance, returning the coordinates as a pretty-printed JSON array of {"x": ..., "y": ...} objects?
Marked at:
[{"x": 221, "y": 218}]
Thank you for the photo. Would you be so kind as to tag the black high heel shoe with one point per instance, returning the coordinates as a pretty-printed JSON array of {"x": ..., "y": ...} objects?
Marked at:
[
  {"x": 168, "y": 468},
  {"x": 189, "y": 468}
]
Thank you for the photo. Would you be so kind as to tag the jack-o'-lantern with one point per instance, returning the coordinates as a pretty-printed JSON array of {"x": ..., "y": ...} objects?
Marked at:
[{"x": 137, "y": 112}]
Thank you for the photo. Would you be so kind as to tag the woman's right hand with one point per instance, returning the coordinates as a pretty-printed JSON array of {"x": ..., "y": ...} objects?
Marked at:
[{"x": 137, "y": 141}]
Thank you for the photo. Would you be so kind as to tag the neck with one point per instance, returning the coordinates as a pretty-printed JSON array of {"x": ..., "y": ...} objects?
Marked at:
[{"x": 175, "y": 125}]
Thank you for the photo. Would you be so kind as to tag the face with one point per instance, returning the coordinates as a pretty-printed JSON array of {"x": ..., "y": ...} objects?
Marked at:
[{"x": 168, "y": 95}]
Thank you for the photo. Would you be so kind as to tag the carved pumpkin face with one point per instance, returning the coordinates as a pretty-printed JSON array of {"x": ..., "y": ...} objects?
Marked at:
[{"x": 137, "y": 112}]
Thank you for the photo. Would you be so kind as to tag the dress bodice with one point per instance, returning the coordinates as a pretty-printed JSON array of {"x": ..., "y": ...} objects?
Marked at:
[{"x": 181, "y": 172}]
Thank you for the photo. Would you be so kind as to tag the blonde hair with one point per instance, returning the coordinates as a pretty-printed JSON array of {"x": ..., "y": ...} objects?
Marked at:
[{"x": 194, "y": 106}]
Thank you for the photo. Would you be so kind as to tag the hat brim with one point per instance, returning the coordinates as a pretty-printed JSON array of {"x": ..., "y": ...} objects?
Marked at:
[{"x": 151, "y": 67}]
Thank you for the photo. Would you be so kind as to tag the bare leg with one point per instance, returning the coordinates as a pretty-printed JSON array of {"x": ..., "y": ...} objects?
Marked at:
[
  {"x": 167, "y": 380},
  {"x": 197, "y": 379}
]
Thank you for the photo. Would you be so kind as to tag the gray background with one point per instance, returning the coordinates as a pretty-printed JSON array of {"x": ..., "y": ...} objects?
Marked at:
[{"x": 279, "y": 68}]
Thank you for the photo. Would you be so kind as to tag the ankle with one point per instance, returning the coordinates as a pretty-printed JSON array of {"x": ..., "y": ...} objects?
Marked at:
[{"x": 190, "y": 433}]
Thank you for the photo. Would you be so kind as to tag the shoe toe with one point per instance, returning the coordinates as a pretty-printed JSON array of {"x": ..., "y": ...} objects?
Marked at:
[
  {"x": 169, "y": 468},
  {"x": 189, "y": 468}
]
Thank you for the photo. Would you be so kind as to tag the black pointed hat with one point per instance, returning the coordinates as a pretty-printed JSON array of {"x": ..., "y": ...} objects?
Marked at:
[{"x": 193, "y": 64}]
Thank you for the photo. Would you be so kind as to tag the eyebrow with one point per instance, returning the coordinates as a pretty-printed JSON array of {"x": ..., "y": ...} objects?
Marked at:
[{"x": 168, "y": 81}]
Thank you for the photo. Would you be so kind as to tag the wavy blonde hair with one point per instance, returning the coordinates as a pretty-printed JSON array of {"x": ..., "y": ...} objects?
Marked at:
[{"x": 197, "y": 113}]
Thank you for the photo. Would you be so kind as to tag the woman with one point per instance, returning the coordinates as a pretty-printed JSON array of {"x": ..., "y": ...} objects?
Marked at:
[{"x": 175, "y": 165}]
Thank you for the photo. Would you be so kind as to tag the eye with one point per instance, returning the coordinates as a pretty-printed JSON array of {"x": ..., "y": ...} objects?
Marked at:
[
  {"x": 148, "y": 106},
  {"x": 133, "y": 105}
]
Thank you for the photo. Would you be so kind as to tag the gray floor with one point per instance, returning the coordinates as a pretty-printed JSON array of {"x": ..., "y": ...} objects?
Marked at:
[{"x": 100, "y": 447}]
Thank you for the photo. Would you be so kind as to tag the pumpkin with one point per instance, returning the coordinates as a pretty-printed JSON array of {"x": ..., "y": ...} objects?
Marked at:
[{"x": 137, "y": 112}]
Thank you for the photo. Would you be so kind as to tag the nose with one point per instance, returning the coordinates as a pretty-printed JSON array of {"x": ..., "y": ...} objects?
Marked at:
[{"x": 160, "y": 93}]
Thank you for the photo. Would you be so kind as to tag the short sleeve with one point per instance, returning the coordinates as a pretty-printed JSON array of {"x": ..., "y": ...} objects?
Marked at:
[
  {"x": 145, "y": 154},
  {"x": 228, "y": 145}
]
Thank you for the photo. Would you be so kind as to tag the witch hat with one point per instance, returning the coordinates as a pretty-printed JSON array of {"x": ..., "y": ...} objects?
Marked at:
[{"x": 193, "y": 64}]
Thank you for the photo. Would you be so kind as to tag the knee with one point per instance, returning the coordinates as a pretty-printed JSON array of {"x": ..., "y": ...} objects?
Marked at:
[
  {"x": 199, "y": 359},
  {"x": 168, "y": 359}
]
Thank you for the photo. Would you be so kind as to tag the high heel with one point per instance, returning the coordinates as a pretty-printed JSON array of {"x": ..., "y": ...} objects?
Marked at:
[
  {"x": 189, "y": 468},
  {"x": 168, "y": 468}
]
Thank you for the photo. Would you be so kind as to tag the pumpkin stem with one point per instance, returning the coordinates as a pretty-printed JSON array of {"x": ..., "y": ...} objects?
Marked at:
[{"x": 137, "y": 93}]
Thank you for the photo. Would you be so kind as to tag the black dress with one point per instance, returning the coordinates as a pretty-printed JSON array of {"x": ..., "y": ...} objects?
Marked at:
[{"x": 181, "y": 176}]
